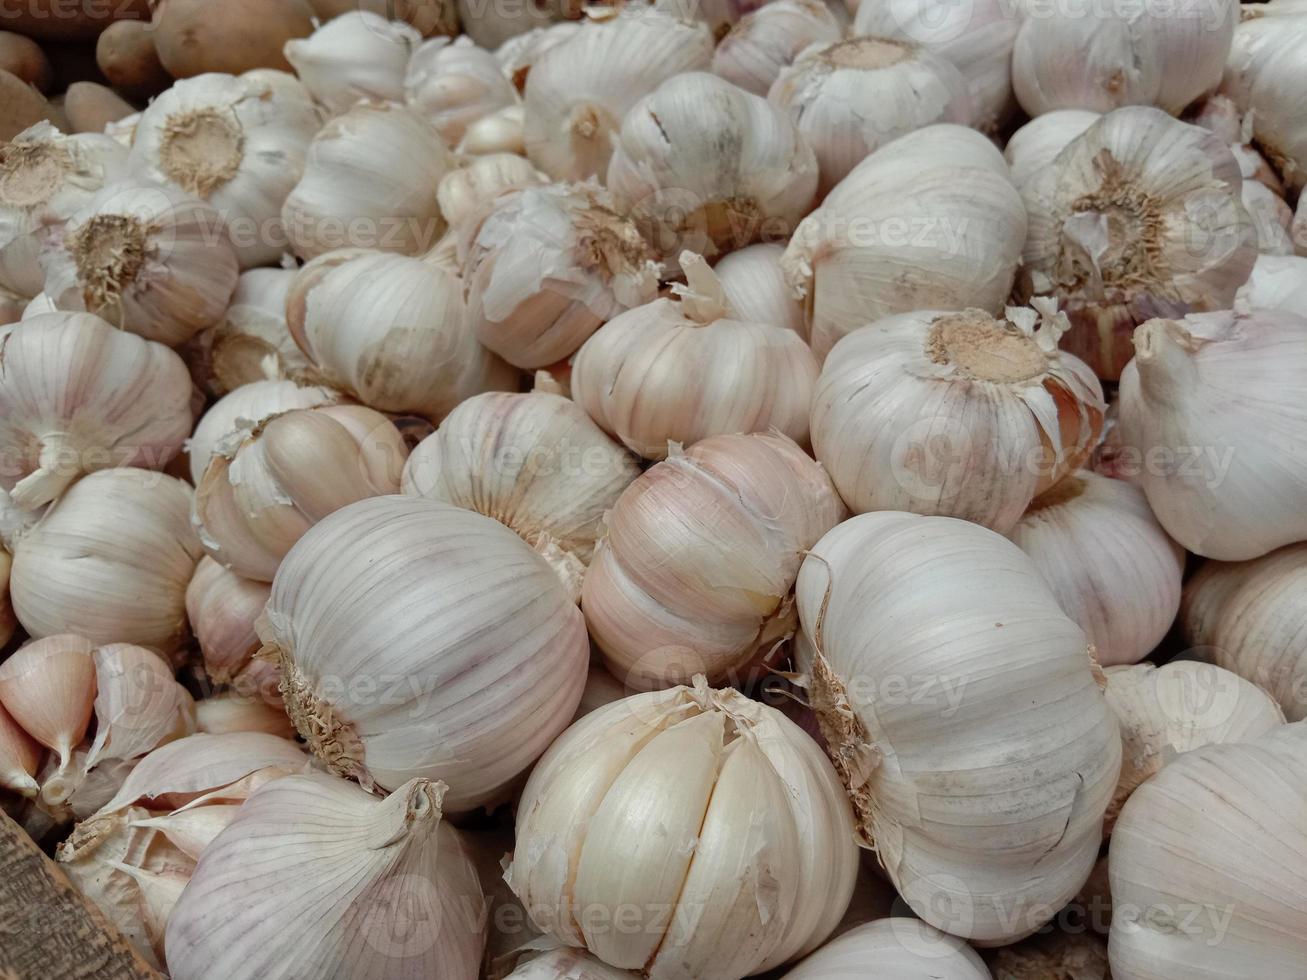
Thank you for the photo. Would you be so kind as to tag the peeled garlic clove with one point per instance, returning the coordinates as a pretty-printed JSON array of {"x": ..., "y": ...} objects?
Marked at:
[
  {"x": 766, "y": 41},
  {"x": 233, "y": 711},
  {"x": 303, "y": 836},
  {"x": 221, "y": 608},
  {"x": 20, "y": 756},
  {"x": 898, "y": 948},
  {"x": 469, "y": 189},
  {"x": 960, "y": 708},
  {"x": 358, "y": 55},
  {"x": 1266, "y": 63},
  {"x": 696, "y": 571},
  {"x": 48, "y": 688},
  {"x": 1035, "y": 146},
  {"x": 453, "y": 83},
  {"x": 138, "y": 705},
  {"x": 192, "y": 830},
  {"x": 78, "y": 396},
  {"x": 566, "y": 963},
  {"x": 1110, "y": 564},
  {"x": 753, "y": 281}
]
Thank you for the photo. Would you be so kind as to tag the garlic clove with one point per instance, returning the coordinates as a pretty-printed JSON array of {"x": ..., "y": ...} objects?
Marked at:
[
  {"x": 517, "y": 54},
  {"x": 358, "y": 55},
  {"x": 221, "y": 608},
  {"x": 566, "y": 963},
  {"x": 453, "y": 84},
  {"x": 902, "y": 948},
  {"x": 48, "y": 688},
  {"x": 138, "y": 704},
  {"x": 1265, "y": 65},
  {"x": 191, "y": 830},
  {"x": 234, "y": 711},
  {"x": 767, "y": 40},
  {"x": 754, "y": 286},
  {"x": 502, "y": 131},
  {"x": 1271, "y": 217},
  {"x": 159, "y": 894},
  {"x": 466, "y": 191},
  {"x": 20, "y": 756}
]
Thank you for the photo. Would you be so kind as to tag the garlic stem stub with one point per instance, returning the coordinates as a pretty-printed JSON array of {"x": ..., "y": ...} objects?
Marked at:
[
  {"x": 893, "y": 949},
  {"x": 767, "y": 40},
  {"x": 20, "y": 756},
  {"x": 358, "y": 55}
]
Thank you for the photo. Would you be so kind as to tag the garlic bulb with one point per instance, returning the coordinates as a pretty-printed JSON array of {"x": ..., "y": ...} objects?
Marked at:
[
  {"x": 370, "y": 180},
  {"x": 266, "y": 486},
  {"x": 766, "y": 41},
  {"x": 710, "y": 823},
  {"x": 1248, "y": 616},
  {"x": 469, "y": 189},
  {"x": 1138, "y": 217},
  {"x": 545, "y": 266},
  {"x": 358, "y": 55},
  {"x": 1208, "y": 862},
  {"x": 753, "y": 283},
  {"x": 1264, "y": 70},
  {"x": 1278, "y": 282},
  {"x": 451, "y": 84},
  {"x": 653, "y": 375},
  {"x": 491, "y": 26},
  {"x": 954, "y": 414},
  {"x": 44, "y": 177},
  {"x": 702, "y": 165},
  {"x": 897, "y": 948},
  {"x": 695, "y": 573},
  {"x": 1034, "y": 147},
  {"x": 236, "y": 141},
  {"x": 855, "y": 96},
  {"x": 393, "y": 332},
  {"x": 20, "y": 756},
  {"x": 221, "y": 608},
  {"x": 1112, "y": 567},
  {"x": 48, "y": 688},
  {"x": 579, "y": 90},
  {"x": 960, "y": 708},
  {"x": 475, "y": 649},
  {"x": 109, "y": 561},
  {"x": 503, "y": 131},
  {"x": 78, "y": 396},
  {"x": 517, "y": 54},
  {"x": 1271, "y": 218},
  {"x": 566, "y": 963},
  {"x": 897, "y": 235},
  {"x": 1220, "y": 480},
  {"x": 232, "y": 711}
]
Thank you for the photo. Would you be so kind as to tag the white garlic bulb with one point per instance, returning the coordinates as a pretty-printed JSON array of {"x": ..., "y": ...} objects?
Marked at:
[
  {"x": 475, "y": 644},
  {"x": 266, "y": 486},
  {"x": 148, "y": 258},
  {"x": 304, "y": 836},
  {"x": 766, "y": 41},
  {"x": 753, "y": 282},
  {"x": 893, "y": 949},
  {"x": 959, "y": 705},
  {"x": 1110, "y": 564},
  {"x": 1271, "y": 217},
  {"x": 358, "y": 55},
  {"x": 657, "y": 374},
  {"x": 1034, "y": 147},
  {"x": 1221, "y": 481},
  {"x": 221, "y": 608},
  {"x": 545, "y": 266},
  {"x": 853, "y": 97},
  {"x": 712, "y": 818},
  {"x": 503, "y": 131},
  {"x": 78, "y": 396},
  {"x": 567, "y": 963},
  {"x": 452, "y": 84},
  {"x": 702, "y": 165},
  {"x": 1266, "y": 67},
  {"x": 1277, "y": 282},
  {"x": 579, "y": 90},
  {"x": 370, "y": 179},
  {"x": 110, "y": 561},
  {"x": 491, "y": 26},
  {"x": 465, "y": 192},
  {"x": 1140, "y": 216},
  {"x": 237, "y": 142},
  {"x": 695, "y": 572},
  {"x": 896, "y": 236},
  {"x": 517, "y": 54},
  {"x": 1207, "y": 863}
]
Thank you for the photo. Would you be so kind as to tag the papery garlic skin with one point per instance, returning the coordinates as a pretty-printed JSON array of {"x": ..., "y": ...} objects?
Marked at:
[
  {"x": 358, "y": 55},
  {"x": 689, "y": 798},
  {"x": 1271, "y": 217},
  {"x": 1221, "y": 481},
  {"x": 452, "y": 84},
  {"x": 955, "y": 695},
  {"x": 490, "y": 27},
  {"x": 1264, "y": 70},
  {"x": 1207, "y": 862},
  {"x": 1034, "y": 147},
  {"x": 444, "y": 609},
  {"x": 20, "y": 757},
  {"x": 1064, "y": 951},
  {"x": 753, "y": 282},
  {"x": 767, "y": 41},
  {"x": 500, "y": 132},
  {"x": 517, "y": 54},
  {"x": 1277, "y": 282},
  {"x": 469, "y": 189},
  {"x": 232, "y": 711},
  {"x": 1112, "y": 567},
  {"x": 898, "y": 948},
  {"x": 566, "y": 963},
  {"x": 695, "y": 572},
  {"x": 77, "y": 396}
]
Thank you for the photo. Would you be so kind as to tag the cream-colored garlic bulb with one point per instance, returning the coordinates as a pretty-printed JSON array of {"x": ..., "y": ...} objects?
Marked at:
[
  {"x": 1271, "y": 217},
  {"x": 960, "y": 706},
  {"x": 700, "y": 164},
  {"x": 954, "y": 414},
  {"x": 1266, "y": 66},
  {"x": 1140, "y": 216},
  {"x": 238, "y": 142},
  {"x": 266, "y": 486},
  {"x": 451, "y": 84},
  {"x": 1034, "y": 147},
  {"x": 221, "y": 608},
  {"x": 893, "y": 949},
  {"x": 358, "y": 55},
  {"x": 469, "y": 189},
  {"x": 1110, "y": 564},
  {"x": 753, "y": 281},
  {"x": 695, "y": 573},
  {"x": 517, "y": 54},
  {"x": 477, "y": 645},
  {"x": 1248, "y": 617},
  {"x": 148, "y": 258},
  {"x": 48, "y": 688},
  {"x": 659, "y": 373},
  {"x": 1278, "y": 282},
  {"x": 44, "y": 177},
  {"x": 393, "y": 332},
  {"x": 567, "y": 963},
  {"x": 579, "y": 90},
  {"x": 503, "y": 131},
  {"x": 545, "y": 266},
  {"x": 77, "y": 396},
  {"x": 370, "y": 179},
  {"x": 20, "y": 756},
  {"x": 713, "y": 817},
  {"x": 1208, "y": 863},
  {"x": 767, "y": 41},
  {"x": 853, "y": 97},
  {"x": 110, "y": 561},
  {"x": 232, "y": 711},
  {"x": 1211, "y": 401},
  {"x": 896, "y": 236}
]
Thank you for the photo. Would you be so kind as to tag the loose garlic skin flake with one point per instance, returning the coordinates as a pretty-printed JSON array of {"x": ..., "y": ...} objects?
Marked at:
[
  {"x": 766, "y": 41},
  {"x": 893, "y": 949},
  {"x": 708, "y": 821}
]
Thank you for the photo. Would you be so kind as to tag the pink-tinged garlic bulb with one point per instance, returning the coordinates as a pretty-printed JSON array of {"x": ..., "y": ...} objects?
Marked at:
[
  {"x": 653, "y": 375},
  {"x": 358, "y": 55},
  {"x": 1265, "y": 67},
  {"x": 1034, "y": 147},
  {"x": 545, "y": 266},
  {"x": 1139, "y": 217},
  {"x": 78, "y": 396},
  {"x": 853, "y": 97},
  {"x": 1208, "y": 402},
  {"x": 440, "y": 608},
  {"x": 20, "y": 756},
  {"x": 901, "y": 948},
  {"x": 753, "y": 281},
  {"x": 766, "y": 41},
  {"x": 1112, "y": 567},
  {"x": 1278, "y": 282},
  {"x": 954, "y": 414},
  {"x": 695, "y": 573},
  {"x": 452, "y": 84},
  {"x": 490, "y": 27},
  {"x": 266, "y": 486},
  {"x": 48, "y": 688},
  {"x": 470, "y": 189},
  {"x": 221, "y": 608}
]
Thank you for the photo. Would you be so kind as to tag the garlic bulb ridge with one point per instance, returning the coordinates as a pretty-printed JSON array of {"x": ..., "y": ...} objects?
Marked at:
[
  {"x": 358, "y": 55},
  {"x": 767, "y": 40}
]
